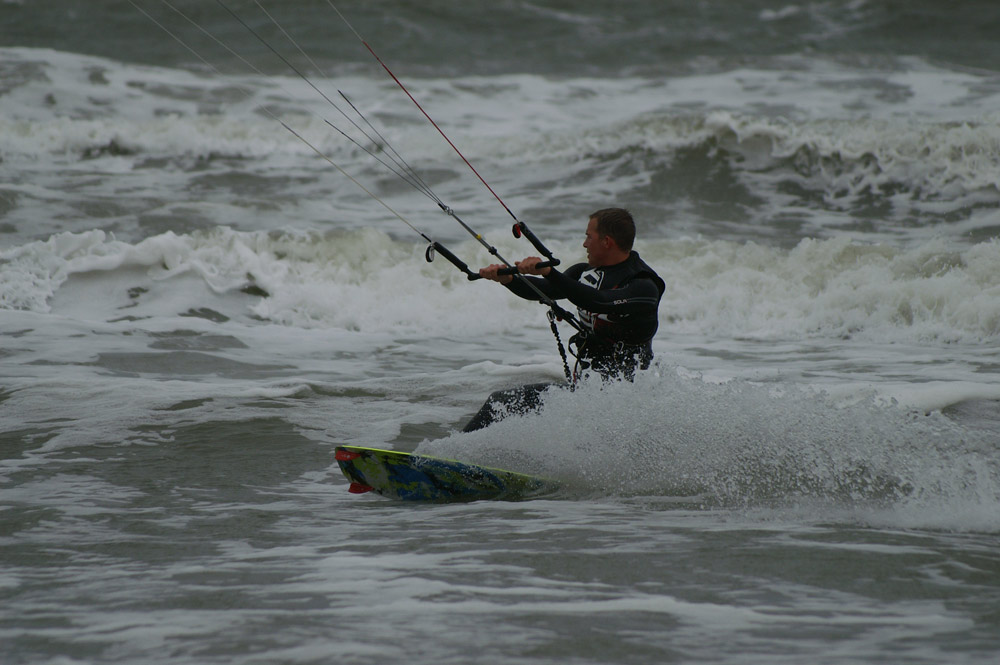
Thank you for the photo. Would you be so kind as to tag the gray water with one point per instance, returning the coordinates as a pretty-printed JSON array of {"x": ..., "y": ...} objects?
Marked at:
[{"x": 195, "y": 309}]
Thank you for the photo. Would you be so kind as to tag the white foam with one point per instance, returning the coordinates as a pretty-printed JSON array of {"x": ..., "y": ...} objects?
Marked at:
[
  {"x": 366, "y": 281},
  {"x": 744, "y": 444},
  {"x": 833, "y": 288},
  {"x": 939, "y": 138}
]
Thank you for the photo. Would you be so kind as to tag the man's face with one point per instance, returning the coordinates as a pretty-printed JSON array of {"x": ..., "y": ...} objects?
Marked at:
[{"x": 597, "y": 246}]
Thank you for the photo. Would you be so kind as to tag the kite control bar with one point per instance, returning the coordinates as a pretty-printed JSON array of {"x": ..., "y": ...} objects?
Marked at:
[{"x": 512, "y": 270}]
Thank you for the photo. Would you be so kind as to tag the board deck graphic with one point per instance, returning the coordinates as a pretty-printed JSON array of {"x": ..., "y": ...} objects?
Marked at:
[{"x": 412, "y": 477}]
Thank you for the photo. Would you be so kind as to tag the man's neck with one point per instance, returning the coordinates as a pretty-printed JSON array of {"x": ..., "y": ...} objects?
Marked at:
[{"x": 614, "y": 261}]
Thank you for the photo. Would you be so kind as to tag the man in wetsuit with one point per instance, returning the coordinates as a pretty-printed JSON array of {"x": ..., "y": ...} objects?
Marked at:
[{"x": 617, "y": 296}]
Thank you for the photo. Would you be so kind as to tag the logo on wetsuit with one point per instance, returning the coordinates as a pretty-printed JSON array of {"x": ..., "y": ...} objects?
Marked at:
[{"x": 592, "y": 278}]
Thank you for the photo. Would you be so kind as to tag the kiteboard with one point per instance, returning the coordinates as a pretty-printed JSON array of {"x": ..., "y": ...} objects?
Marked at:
[{"x": 412, "y": 477}]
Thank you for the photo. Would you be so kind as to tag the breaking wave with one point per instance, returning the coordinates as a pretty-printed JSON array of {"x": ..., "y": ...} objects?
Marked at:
[{"x": 365, "y": 280}]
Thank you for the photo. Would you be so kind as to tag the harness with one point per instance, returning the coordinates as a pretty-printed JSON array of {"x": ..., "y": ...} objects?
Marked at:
[{"x": 595, "y": 346}]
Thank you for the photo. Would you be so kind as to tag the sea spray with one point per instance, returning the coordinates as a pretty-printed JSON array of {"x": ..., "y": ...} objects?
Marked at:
[{"x": 739, "y": 444}]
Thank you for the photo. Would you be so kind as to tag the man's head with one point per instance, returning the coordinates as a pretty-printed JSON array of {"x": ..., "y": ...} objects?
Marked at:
[{"x": 610, "y": 234}]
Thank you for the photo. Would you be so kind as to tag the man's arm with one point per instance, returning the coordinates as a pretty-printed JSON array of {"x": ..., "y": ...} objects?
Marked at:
[
  {"x": 639, "y": 295},
  {"x": 519, "y": 286}
]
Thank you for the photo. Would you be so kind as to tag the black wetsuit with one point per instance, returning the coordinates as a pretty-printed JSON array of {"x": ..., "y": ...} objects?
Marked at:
[{"x": 617, "y": 306}]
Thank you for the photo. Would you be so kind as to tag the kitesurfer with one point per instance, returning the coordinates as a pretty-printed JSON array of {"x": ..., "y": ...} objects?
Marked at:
[{"x": 617, "y": 296}]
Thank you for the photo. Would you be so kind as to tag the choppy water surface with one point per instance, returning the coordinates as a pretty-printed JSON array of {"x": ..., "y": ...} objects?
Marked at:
[{"x": 195, "y": 308}]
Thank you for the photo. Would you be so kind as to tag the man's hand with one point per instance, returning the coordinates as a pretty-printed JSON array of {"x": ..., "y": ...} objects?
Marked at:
[
  {"x": 490, "y": 273},
  {"x": 528, "y": 266}
]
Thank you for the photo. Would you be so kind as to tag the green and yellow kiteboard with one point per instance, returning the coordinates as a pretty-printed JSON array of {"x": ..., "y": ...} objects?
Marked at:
[{"x": 410, "y": 477}]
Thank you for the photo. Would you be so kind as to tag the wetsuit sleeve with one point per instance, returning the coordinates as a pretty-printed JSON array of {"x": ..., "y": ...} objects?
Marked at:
[
  {"x": 519, "y": 288},
  {"x": 641, "y": 294}
]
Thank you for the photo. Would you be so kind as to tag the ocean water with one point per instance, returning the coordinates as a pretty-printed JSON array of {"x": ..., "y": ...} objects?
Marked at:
[{"x": 205, "y": 287}]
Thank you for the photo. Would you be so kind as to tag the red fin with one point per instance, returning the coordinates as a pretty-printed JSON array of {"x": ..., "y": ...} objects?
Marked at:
[{"x": 358, "y": 488}]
